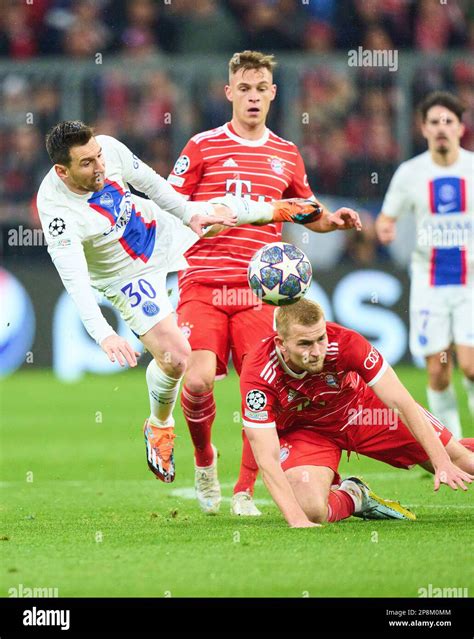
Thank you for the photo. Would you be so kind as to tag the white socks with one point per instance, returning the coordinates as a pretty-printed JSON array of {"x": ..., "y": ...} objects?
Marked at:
[
  {"x": 444, "y": 406},
  {"x": 163, "y": 391},
  {"x": 469, "y": 386}
]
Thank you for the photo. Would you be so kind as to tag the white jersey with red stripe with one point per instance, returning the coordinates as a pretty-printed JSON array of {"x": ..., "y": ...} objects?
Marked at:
[
  {"x": 274, "y": 395},
  {"x": 105, "y": 237},
  {"x": 219, "y": 162},
  {"x": 442, "y": 199}
]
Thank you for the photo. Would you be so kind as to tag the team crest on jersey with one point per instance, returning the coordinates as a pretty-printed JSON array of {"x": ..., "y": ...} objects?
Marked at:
[
  {"x": 106, "y": 200},
  {"x": 150, "y": 309},
  {"x": 292, "y": 394},
  {"x": 331, "y": 380},
  {"x": 284, "y": 453},
  {"x": 277, "y": 165},
  {"x": 256, "y": 400},
  {"x": 181, "y": 165},
  {"x": 57, "y": 227}
]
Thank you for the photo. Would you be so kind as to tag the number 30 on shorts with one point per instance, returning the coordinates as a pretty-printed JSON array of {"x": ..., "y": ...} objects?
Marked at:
[{"x": 145, "y": 287}]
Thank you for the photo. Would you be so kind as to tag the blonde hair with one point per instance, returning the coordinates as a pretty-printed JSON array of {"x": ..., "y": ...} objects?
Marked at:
[
  {"x": 304, "y": 312},
  {"x": 251, "y": 60}
]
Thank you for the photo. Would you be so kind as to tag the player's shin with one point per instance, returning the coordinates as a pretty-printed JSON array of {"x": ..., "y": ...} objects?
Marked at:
[
  {"x": 199, "y": 411},
  {"x": 248, "y": 469},
  {"x": 341, "y": 505},
  {"x": 443, "y": 405},
  {"x": 469, "y": 386},
  {"x": 162, "y": 391}
]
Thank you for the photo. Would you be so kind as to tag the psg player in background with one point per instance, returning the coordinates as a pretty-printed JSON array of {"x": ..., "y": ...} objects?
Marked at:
[{"x": 243, "y": 158}]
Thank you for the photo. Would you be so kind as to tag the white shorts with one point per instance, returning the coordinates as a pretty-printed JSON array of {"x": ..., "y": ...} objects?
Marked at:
[
  {"x": 142, "y": 296},
  {"x": 142, "y": 300},
  {"x": 440, "y": 316}
]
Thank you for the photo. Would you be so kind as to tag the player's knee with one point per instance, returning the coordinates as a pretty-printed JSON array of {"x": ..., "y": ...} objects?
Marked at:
[
  {"x": 317, "y": 511},
  {"x": 438, "y": 375},
  {"x": 174, "y": 361},
  {"x": 198, "y": 384}
]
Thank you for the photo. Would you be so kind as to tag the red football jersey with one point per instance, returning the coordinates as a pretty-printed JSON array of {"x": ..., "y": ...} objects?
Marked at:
[
  {"x": 273, "y": 395},
  {"x": 218, "y": 162}
]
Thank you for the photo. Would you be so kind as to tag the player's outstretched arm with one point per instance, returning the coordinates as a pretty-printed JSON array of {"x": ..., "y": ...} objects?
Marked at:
[
  {"x": 72, "y": 268},
  {"x": 266, "y": 449},
  {"x": 394, "y": 394},
  {"x": 196, "y": 215},
  {"x": 308, "y": 212}
]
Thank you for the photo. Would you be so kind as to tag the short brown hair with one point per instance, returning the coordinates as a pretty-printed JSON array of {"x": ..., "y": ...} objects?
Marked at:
[
  {"x": 251, "y": 60},
  {"x": 63, "y": 136},
  {"x": 303, "y": 312},
  {"x": 444, "y": 99}
]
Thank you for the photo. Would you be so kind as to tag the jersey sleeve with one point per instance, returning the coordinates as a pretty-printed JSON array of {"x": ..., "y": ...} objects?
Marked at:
[
  {"x": 146, "y": 180},
  {"x": 187, "y": 170},
  {"x": 67, "y": 253},
  {"x": 360, "y": 356},
  {"x": 299, "y": 186},
  {"x": 259, "y": 400},
  {"x": 397, "y": 199}
]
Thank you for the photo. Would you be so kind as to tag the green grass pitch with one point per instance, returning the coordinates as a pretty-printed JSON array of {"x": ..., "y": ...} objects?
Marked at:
[{"x": 81, "y": 512}]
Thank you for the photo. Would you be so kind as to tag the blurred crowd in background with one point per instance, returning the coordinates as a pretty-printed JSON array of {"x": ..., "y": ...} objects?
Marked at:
[
  {"x": 350, "y": 131},
  {"x": 79, "y": 28}
]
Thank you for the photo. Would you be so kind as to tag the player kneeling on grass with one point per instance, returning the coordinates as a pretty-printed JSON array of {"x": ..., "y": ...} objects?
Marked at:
[
  {"x": 102, "y": 237},
  {"x": 316, "y": 388}
]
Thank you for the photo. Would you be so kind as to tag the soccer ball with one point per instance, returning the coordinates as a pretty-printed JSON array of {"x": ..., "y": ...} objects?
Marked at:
[{"x": 279, "y": 273}]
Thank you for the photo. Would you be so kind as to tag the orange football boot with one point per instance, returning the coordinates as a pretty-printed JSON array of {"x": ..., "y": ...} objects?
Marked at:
[
  {"x": 296, "y": 210},
  {"x": 159, "y": 451}
]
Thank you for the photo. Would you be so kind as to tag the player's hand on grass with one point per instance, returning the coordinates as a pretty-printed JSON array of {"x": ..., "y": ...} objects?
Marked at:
[
  {"x": 222, "y": 215},
  {"x": 118, "y": 349},
  {"x": 386, "y": 229},
  {"x": 449, "y": 474},
  {"x": 344, "y": 219}
]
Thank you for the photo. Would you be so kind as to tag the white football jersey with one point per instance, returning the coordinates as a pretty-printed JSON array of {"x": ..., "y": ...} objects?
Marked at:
[
  {"x": 103, "y": 237},
  {"x": 442, "y": 199}
]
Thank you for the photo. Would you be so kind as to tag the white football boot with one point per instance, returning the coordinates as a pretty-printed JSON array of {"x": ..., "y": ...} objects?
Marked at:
[
  {"x": 244, "y": 505},
  {"x": 370, "y": 506},
  {"x": 206, "y": 484}
]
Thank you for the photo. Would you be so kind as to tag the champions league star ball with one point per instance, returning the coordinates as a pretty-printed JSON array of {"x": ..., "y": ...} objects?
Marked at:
[{"x": 279, "y": 274}]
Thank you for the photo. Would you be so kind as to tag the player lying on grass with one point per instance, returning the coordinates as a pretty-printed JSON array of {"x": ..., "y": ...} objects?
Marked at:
[
  {"x": 316, "y": 388},
  {"x": 102, "y": 237}
]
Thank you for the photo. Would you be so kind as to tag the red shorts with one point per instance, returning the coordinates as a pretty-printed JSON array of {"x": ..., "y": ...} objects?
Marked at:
[
  {"x": 223, "y": 320},
  {"x": 393, "y": 445}
]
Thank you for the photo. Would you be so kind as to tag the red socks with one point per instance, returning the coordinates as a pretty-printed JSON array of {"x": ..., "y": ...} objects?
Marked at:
[
  {"x": 340, "y": 505},
  {"x": 199, "y": 412},
  {"x": 248, "y": 469}
]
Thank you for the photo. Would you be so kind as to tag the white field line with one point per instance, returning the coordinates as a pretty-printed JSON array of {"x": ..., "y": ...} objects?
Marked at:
[{"x": 187, "y": 492}]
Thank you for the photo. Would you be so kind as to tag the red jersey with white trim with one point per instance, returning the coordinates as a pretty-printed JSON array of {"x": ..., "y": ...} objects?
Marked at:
[
  {"x": 274, "y": 395},
  {"x": 218, "y": 162}
]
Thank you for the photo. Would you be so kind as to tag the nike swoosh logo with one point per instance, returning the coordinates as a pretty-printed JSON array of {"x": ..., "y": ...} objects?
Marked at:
[{"x": 444, "y": 208}]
